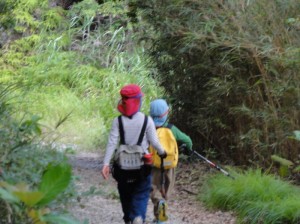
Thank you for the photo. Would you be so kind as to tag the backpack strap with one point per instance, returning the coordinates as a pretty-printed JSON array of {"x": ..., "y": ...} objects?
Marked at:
[
  {"x": 142, "y": 131},
  {"x": 169, "y": 126},
  {"x": 121, "y": 130}
]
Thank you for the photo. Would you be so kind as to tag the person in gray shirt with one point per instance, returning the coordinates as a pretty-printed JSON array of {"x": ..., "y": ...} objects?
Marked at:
[{"x": 134, "y": 186}]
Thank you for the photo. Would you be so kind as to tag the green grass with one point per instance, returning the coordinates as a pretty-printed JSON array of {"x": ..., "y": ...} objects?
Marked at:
[
  {"x": 75, "y": 97},
  {"x": 255, "y": 197},
  {"x": 82, "y": 118},
  {"x": 72, "y": 82}
]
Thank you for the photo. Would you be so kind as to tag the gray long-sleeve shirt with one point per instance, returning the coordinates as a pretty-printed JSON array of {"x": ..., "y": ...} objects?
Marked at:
[{"x": 132, "y": 128}]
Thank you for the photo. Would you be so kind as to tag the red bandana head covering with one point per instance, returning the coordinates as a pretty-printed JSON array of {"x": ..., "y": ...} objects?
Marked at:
[{"x": 131, "y": 100}]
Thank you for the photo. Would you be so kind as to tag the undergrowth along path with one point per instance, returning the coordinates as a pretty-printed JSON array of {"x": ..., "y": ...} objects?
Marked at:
[{"x": 99, "y": 203}]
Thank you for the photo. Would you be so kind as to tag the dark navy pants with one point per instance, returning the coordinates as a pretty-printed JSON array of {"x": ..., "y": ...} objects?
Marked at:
[{"x": 134, "y": 198}]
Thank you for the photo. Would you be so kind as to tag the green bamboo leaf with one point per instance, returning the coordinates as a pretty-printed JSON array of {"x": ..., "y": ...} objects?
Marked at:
[
  {"x": 55, "y": 180},
  {"x": 283, "y": 171},
  {"x": 8, "y": 196},
  {"x": 282, "y": 161},
  {"x": 297, "y": 169},
  {"x": 61, "y": 219},
  {"x": 29, "y": 198}
]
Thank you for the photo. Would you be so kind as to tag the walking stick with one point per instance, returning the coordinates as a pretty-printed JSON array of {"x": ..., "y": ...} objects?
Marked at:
[
  {"x": 209, "y": 162},
  {"x": 213, "y": 165}
]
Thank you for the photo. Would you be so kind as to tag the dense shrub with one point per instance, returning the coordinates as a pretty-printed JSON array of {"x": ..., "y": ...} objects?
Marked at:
[
  {"x": 24, "y": 162},
  {"x": 231, "y": 69}
]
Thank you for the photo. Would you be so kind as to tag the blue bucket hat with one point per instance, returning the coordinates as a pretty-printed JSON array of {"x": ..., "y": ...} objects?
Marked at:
[{"x": 159, "y": 110}]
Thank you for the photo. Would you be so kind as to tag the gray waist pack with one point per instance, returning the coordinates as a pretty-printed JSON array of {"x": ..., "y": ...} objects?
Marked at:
[{"x": 130, "y": 157}]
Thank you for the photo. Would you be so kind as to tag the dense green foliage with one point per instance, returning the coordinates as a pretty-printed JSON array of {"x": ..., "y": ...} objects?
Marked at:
[
  {"x": 232, "y": 71},
  {"x": 71, "y": 65},
  {"x": 26, "y": 171},
  {"x": 255, "y": 197},
  {"x": 35, "y": 203},
  {"x": 65, "y": 66}
]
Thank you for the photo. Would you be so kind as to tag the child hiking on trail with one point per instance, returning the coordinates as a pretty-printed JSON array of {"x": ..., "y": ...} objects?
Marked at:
[
  {"x": 131, "y": 134},
  {"x": 163, "y": 175}
]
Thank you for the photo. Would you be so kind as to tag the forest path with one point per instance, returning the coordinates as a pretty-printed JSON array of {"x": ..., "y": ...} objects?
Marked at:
[{"x": 103, "y": 207}]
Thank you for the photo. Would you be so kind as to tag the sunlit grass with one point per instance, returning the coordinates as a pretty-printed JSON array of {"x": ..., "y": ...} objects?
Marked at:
[
  {"x": 66, "y": 118},
  {"x": 82, "y": 116},
  {"x": 255, "y": 197}
]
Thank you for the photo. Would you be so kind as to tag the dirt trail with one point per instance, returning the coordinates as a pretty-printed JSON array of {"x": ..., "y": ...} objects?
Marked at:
[{"x": 103, "y": 206}]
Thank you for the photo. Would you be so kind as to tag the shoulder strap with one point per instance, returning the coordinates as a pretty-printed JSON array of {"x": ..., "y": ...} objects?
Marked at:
[
  {"x": 169, "y": 126},
  {"x": 143, "y": 131},
  {"x": 121, "y": 130}
]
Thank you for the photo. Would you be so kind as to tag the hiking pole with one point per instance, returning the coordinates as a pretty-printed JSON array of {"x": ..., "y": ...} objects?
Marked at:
[{"x": 209, "y": 162}]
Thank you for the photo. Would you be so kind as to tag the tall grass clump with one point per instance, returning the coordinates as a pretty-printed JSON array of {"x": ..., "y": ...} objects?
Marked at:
[
  {"x": 255, "y": 197},
  {"x": 232, "y": 71}
]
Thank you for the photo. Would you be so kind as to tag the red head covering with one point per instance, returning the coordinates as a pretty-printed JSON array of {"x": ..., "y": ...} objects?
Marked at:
[{"x": 131, "y": 100}]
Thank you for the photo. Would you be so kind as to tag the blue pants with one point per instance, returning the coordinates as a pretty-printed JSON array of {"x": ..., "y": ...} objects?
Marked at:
[{"x": 134, "y": 198}]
